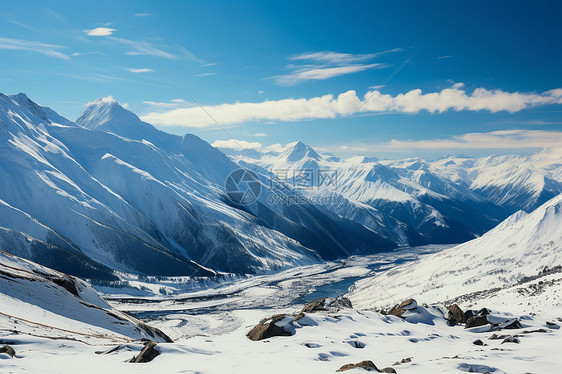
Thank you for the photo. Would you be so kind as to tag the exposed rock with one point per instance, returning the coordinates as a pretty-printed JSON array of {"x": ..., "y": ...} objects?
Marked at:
[
  {"x": 498, "y": 337},
  {"x": 367, "y": 365},
  {"x": 388, "y": 370},
  {"x": 476, "y": 321},
  {"x": 147, "y": 354},
  {"x": 511, "y": 324},
  {"x": 110, "y": 350},
  {"x": 403, "y": 361},
  {"x": 511, "y": 339},
  {"x": 398, "y": 310},
  {"x": 314, "y": 306},
  {"x": 8, "y": 350},
  {"x": 327, "y": 303},
  {"x": 484, "y": 312},
  {"x": 478, "y": 342},
  {"x": 66, "y": 282},
  {"x": 533, "y": 331},
  {"x": 268, "y": 328},
  {"x": 455, "y": 315}
]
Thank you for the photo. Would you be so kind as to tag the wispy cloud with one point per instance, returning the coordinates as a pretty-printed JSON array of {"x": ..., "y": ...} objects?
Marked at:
[
  {"x": 21, "y": 24},
  {"x": 33, "y": 46},
  {"x": 100, "y": 31},
  {"x": 174, "y": 103},
  {"x": 141, "y": 47},
  {"x": 328, "y": 64},
  {"x": 329, "y": 106},
  {"x": 143, "y": 14},
  {"x": 144, "y": 48},
  {"x": 95, "y": 77},
  {"x": 236, "y": 144},
  {"x": 322, "y": 73},
  {"x": 260, "y": 134},
  {"x": 507, "y": 139},
  {"x": 140, "y": 70},
  {"x": 339, "y": 58},
  {"x": 205, "y": 74}
]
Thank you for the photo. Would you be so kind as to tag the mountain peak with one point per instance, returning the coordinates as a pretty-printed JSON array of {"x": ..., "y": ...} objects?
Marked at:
[
  {"x": 299, "y": 151},
  {"x": 30, "y": 105},
  {"x": 104, "y": 113}
]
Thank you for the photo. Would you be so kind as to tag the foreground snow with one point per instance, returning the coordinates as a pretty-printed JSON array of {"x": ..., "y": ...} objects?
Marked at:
[{"x": 323, "y": 343}]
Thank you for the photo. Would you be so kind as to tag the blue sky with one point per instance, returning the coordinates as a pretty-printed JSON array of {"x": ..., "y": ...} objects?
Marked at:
[{"x": 279, "y": 71}]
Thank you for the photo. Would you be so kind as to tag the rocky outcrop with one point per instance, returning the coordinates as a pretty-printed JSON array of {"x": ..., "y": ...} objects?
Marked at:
[
  {"x": 455, "y": 315},
  {"x": 273, "y": 326},
  {"x": 399, "y": 309},
  {"x": 327, "y": 304},
  {"x": 8, "y": 350},
  {"x": 147, "y": 354},
  {"x": 511, "y": 339},
  {"x": 367, "y": 365},
  {"x": 476, "y": 321},
  {"x": 485, "y": 317}
]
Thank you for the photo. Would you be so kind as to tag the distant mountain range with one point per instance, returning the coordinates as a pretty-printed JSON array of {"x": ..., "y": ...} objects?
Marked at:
[{"x": 110, "y": 193}]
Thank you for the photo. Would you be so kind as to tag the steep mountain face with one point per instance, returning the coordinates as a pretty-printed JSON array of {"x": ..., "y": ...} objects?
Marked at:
[
  {"x": 121, "y": 195},
  {"x": 522, "y": 246}
]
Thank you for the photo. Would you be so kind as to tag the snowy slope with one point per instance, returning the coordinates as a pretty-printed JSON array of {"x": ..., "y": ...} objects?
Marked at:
[
  {"x": 522, "y": 246},
  {"x": 38, "y": 301}
]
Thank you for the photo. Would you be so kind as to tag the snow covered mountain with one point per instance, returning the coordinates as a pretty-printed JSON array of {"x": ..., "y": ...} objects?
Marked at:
[
  {"x": 512, "y": 182},
  {"x": 522, "y": 247},
  {"x": 418, "y": 201},
  {"x": 407, "y": 204},
  {"x": 118, "y": 194}
]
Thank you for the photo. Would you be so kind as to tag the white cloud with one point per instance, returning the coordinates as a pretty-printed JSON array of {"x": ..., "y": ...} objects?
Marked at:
[
  {"x": 260, "y": 134},
  {"x": 144, "y": 48},
  {"x": 328, "y": 64},
  {"x": 339, "y": 58},
  {"x": 33, "y": 46},
  {"x": 140, "y": 70},
  {"x": 205, "y": 74},
  {"x": 347, "y": 103},
  {"x": 100, "y": 31},
  {"x": 143, "y": 14},
  {"x": 275, "y": 148},
  {"x": 174, "y": 103},
  {"x": 105, "y": 100},
  {"x": 236, "y": 144},
  {"x": 322, "y": 73},
  {"x": 506, "y": 139}
]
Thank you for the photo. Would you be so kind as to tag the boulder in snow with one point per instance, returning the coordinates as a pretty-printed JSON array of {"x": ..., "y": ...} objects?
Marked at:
[
  {"x": 147, "y": 354},
  {"x": 8, "y": 350},
  {"x": 277, "y": 325},
  {"x": 367, "y": 365}
]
